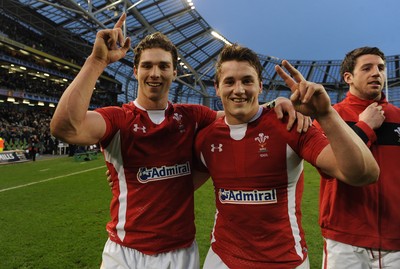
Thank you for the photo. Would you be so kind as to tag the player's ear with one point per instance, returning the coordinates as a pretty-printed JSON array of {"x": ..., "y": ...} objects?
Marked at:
[
  {"x": 135, "y": 71},
  {"x": 217, "y": 92},
  {"x": 348, "y": 77}
]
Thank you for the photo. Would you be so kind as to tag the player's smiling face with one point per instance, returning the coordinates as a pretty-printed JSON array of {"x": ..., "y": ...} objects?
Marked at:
[
  {"x": 238, "y": 89},
  {"x": 155, "y": 74}
]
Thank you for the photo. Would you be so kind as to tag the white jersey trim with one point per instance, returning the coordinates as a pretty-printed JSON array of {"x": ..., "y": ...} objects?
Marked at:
[
  {"x": 294, "y": 168},
  {"x": 238, "y": 131},
  {"x": 112, "y": 154},
  {"x": 213, "y": 229},
  {"x": 156, "y": 116}
]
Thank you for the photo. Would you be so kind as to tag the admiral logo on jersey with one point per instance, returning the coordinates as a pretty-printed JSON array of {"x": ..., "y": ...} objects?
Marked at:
[
  {"x": 146, "y": 175},
  {"x": 247, "y": 197}
]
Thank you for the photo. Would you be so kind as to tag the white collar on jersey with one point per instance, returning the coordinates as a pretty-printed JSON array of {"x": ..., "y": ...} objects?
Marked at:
[
  {"x": 238, "y": 131},
  {"x": 156, "y": 116}
]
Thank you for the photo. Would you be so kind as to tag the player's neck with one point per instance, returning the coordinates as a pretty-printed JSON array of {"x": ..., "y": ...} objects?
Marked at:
[
  {"x": 150, "y": 104},
  {"x": 232, "y": 120}
]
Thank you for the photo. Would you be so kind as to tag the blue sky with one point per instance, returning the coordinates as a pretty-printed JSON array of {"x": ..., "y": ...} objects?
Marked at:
[{"x": 306, "y": 29}]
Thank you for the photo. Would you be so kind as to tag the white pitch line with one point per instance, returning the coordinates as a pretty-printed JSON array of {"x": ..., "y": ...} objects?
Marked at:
[{"x": 52, "y": 178}]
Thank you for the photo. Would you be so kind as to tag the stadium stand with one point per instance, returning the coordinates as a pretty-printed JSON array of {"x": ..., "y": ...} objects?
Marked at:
[{"x": 42, "y": 47}]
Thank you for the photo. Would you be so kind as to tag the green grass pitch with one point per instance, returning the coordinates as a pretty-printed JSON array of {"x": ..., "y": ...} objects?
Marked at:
[{"x": 53, "y": 214}]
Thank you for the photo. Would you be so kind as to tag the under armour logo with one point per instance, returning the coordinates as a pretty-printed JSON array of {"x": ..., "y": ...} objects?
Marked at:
[
  {"x": 136, "y": 128},
  {"x": 213, "y": 147}
]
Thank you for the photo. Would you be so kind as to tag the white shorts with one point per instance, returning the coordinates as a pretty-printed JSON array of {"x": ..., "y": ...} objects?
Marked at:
[
  {"x": 344, "y": 256},
  {"x": 213, "y": 261},
  {"x": 116, "y": 256}
]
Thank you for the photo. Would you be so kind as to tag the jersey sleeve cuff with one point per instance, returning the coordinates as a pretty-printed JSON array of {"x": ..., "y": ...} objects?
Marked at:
[{"x": 365, "y": 132}]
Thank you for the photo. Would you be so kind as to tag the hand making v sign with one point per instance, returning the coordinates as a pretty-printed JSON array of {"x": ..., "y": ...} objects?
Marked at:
[{"x": 309, "y": 98}]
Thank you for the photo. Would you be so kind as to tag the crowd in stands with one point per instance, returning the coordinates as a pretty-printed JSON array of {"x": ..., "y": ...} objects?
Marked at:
[
  {"x": 18, "y": 127},
  {"x": 29, "y": 37},
  {"x": 20, "y": 123},
  {"x": 19, "y": 81}
]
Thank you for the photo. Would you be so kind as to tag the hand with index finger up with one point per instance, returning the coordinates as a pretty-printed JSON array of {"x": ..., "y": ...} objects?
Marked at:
[{"x": 110, "y": 44}]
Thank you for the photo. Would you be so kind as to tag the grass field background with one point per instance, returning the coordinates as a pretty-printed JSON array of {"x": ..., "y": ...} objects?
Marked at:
[{"x": 53, "y": 214}]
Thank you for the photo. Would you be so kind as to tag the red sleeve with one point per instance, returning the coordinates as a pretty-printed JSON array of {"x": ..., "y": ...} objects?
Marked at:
[
  {"x": 111, "y": 116},
  {"x": 312, "y": 143},
  {"x": 198, "y": 163},
  {"x": 366, "y": 133},
  {"x": 204, "y": 116}
]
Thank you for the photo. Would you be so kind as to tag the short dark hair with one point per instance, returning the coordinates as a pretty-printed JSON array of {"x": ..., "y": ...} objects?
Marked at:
[
  {"x": 351, "y": 57},
  {"x": 155, "y": 40},
  {"x": 235, "y": 52}
]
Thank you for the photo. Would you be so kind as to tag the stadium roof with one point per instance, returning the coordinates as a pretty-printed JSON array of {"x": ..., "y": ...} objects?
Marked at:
[{"x": 74, "y": 23}]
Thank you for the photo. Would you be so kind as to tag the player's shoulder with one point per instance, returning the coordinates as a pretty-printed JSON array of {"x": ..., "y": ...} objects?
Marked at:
[
  {"x": 393, "y": 107},
  {"x": 123, "y": 107},
  {"x": 110, "y": 110},
  {"x": 214, "y": 126},
  {"x": 210, "y": 132},
  {"x": 124, "y": 112},
  {"x": 190, "y": 107},
  {"x": 392, "y": 113},
  {"x": 269, "y": 117},
  {"x": 197, "y": 112}
]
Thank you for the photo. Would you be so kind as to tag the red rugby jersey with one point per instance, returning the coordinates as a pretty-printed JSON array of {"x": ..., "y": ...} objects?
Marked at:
[
  {"x": 367, "y": 216},
  {"x": 152, "y": 205},
  {"x": 258, "y": 180}
]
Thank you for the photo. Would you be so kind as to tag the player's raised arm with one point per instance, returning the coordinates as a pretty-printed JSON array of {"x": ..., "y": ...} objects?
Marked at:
[
  {"x": 72, "y": 122},
  {"x": 347, "y": 157}
]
